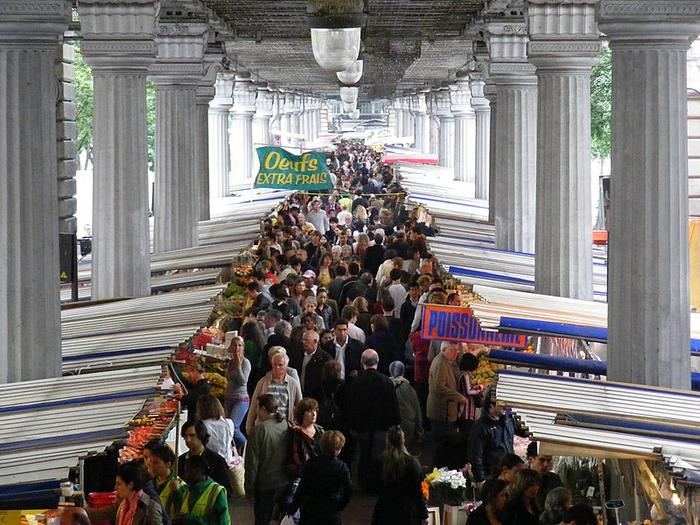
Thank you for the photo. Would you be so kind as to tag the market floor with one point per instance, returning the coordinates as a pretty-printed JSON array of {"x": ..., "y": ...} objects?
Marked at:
[{"x": 358, "y": 512}]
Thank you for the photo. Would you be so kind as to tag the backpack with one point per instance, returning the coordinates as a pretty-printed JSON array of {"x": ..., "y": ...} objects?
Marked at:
[{"x": 329, "y": 415}]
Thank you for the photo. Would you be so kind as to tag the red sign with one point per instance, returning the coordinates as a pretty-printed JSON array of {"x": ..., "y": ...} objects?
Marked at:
[{"x": 454, "y": 323}]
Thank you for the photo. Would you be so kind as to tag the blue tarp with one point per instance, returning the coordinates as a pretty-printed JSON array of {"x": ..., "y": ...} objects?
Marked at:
[
  {"x": 589, "y": 333},
  {"x": 564, "y": 364}
]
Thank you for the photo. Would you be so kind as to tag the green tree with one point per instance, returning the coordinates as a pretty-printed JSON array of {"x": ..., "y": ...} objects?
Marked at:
[
  {"x": 84, "y": 105},
  {"x": 601, "y": 105}
]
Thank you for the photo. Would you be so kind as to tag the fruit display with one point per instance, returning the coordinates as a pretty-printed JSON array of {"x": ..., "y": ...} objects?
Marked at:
[
  {"x": 218, "y": 383},
  {"x": 485, "y": 373},
  {"x": 147, "y": 425},
  {"x": 233, "y": 290}
]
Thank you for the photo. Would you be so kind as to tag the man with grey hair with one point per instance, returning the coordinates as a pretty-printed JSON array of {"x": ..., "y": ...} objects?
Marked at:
[
  {"x": 310, "y": 364},
  {"x": 374, "y": 408},
  {"x": 278, "y": 382}
]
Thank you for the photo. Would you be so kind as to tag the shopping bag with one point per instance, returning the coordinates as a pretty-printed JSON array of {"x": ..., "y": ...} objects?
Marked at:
[{"x": 236, "y": 472}]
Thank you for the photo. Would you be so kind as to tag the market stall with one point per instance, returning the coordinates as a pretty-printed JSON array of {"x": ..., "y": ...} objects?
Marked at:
[{"x": 657, "y": 429}]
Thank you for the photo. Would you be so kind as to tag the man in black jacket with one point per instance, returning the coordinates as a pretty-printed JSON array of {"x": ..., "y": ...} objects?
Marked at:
[
  {"x": 199, "y": 386},
  {"x": 196, "y": 438},
  {"x": 309, "y": 364},
  {"x": 491, "y": 437},
  {"x": 375, "y": 255},
  {"x": 372, "y": 410},
  {"x": 346, "y": 350}
]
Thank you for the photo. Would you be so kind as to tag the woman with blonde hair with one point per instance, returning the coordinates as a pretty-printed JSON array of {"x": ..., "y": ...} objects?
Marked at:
[
  {"x": 220, "y": 429},
  {"x": 362, "y": 305},
  {"x": 360, "y": 247},
  {"x": 236, "y": 396},
  {"x": 361, "y": 217}
]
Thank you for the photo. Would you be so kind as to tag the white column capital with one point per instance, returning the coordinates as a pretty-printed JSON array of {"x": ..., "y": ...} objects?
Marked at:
[
  {"x": 479, "y": 100},
  {"x": 297, "y": 103},
  {"x": 118, "y": 34},
  {"x": 418, "y": 103},
  {"x": 460, "y": 97},
  {"x": 244, "y": 94},
  {"x": 443, "y": 104},
  {"x": 180, "y": 50},
  {"x": 288, "y": 105},
  {"x": 223, "y": 97},
  {"x": 507, "y": 44},
  {"x": 264, "y": 102},
  {"x": 563, "y": 34},
  {"x": 37, "y": 23},
  {"x": 649, "y": 22},
  {"x": 206, "y": 90}
]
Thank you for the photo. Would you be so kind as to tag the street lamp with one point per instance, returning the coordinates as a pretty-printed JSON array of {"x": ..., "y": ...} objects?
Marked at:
[
  {"x": 335, "y": 49},
  {"x": 351, "y": 75},
  {"x": 349, "y": 94},
  {"x": 336, "y": 29}
]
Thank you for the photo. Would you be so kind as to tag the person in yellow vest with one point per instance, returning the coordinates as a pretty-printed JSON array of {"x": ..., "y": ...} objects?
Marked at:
[
  {"x": 159, "y": 459},
  {"x": 202, "y": 501}
]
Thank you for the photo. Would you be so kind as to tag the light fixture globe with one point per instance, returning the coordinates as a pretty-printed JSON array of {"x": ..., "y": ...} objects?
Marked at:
[
  {"x": 355, "y": 115},
  {"x": 349, "y": 94},
  {"x": 349, "y": 107},
  {"x": 351, "y": 75},
  {"x": 335, "y": 49}
]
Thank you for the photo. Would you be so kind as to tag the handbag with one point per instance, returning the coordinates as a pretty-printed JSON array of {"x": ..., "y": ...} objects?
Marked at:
[{"x": 236, "y": 471}]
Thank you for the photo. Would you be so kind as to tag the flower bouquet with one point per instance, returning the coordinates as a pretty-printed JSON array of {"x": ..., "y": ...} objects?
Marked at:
[{"x": 445, "y": 487}]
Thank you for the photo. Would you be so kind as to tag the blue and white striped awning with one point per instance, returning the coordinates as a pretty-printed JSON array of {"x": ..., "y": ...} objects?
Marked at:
[
  {"x": 594, "y": 418},
  {"x": 515, "y": 311}
]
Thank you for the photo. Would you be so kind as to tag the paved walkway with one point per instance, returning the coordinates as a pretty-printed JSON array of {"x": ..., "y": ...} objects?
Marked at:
[{"x": 359, "y": 512}]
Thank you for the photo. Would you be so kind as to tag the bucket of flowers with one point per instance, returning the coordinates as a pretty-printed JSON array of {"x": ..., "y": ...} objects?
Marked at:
[
  {"x": 453, "y": 492},
  {"x": 445, "y": 487}
]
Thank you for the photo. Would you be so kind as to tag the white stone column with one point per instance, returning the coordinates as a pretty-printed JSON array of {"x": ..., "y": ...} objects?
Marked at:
[
  {"x": 296, "y": 119},
  {"x": 564, "y": 47},
  {"x": 434, "y": 123},
  {"x": 219, "y": 163},
  {"x": 176, "y": 75},
  {"x": 206, "y": 91},
  {"x": 391, "y": 117},
  {"x": 244, "y": 94},
  {"x": 287, "y": 110},
  {"x": 420, "y": 122},
  {"x": 465, "y": 130},
  {"x": 516, "y": 137},
  {"x": 262, "y": 116},
  {"x": 490, "y": 94},
  {"x": 30, "y": 346},
  {"x": 119, "y": 46},
  {"x": 482, "y": 111},
  {"x": 66, "y": 138},
  {"x": 446, "y": 140},
  {"x": 648, "y": 305},
  {"x": 409, "y": 127},
  {"x": 399, "y": 117},
  {"x": 324, "y": 116}
]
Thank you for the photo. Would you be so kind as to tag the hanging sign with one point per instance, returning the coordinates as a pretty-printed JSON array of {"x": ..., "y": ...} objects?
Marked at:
[
  {"x": 280, "y": 169},
  {"x": 454, "y": 323}
]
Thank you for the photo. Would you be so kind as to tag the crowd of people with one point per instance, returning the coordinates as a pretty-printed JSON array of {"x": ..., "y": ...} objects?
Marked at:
[{"x": 329, "y": 372}]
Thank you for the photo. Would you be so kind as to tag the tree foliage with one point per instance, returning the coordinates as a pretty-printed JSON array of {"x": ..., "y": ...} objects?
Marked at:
[
  {"x": 83, "y": 102},
  {"x": 84, "y": 105},
  {"x": 601, "y": 105}
]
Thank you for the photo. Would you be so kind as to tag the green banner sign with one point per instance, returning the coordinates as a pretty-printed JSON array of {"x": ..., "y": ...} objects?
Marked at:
[{"x": 280, "y": 169}]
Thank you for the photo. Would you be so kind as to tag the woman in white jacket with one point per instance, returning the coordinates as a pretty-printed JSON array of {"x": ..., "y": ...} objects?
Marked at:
[{"x": 220, "y": 428}]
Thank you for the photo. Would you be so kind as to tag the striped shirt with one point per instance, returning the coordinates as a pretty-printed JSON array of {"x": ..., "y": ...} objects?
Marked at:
[{"x": 281, "y": 393}]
